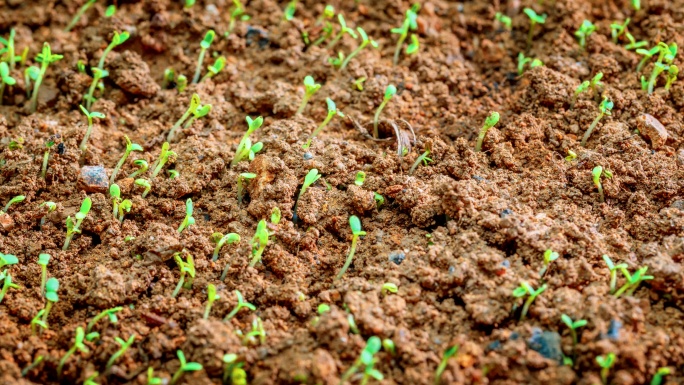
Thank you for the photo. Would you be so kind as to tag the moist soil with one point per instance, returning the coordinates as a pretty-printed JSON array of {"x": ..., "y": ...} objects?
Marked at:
[{"x": 456, "y": 236}]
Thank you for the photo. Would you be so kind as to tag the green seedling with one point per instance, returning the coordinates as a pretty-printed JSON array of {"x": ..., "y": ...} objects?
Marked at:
[
  {"x": 343, "y": 30},
  {"x": 632, "y": 281},
  {"x": 323, "y": 308},
  {"x": 443, "y": 364},
  {"x": 189, "y": 219},
  {"x": 115, "y": 193},
  {"x": 184, "y": 367},
  {"x": 410, "y": 24},
  {"x": 75, "y": 227},
  {"x": 173, "y": 174},
  {"x": 310, "y": 88},
  {"x": 504, "y": 20},
  {"x": 617, "y": 30},
  {"x": 379, "y": 200},
  {"x": 230, "y": 365},
  {"x": 526, "y": 290},
  {"x": 389, "y": 287},
  {"x": 658, "y": 68},
  {"x": 189, "y": 4},
  {"x": 424, "y": 157},
  {"x": 490, "y": 122},
  {"x": 241, "y": 303},
  {"x": 605, "y": 362},
  {"x": 142, "y": 167},
  {"x": 8, "y": 259},
  {"x": 337, "y": 61},
  {"x": 549, "y": 256},
  {"x": 275, "y": 216},
  {"x": 16, "y": 144},
  {"x": 33, "y": 365},
  {"x": 37, "y": 321},
  {"x": 355, "y": 224},
  {"x": 89, "y": 130},
  {"x": 194, "y": 105},
  {"x": 672, "y": 73},
  {"x": 636, "y": 4},
  {"x": 181, "y": 83},
  {"x": 151, "y": 379},
  {"x": 328, "y": 14},
  {"x": 366, "y": 360},
  {"x": 94, "y": 336},
  {"x": 245, "y": 147},
  {"x": 130, "y": 147},
  {"x": 204, "y": 46},
  {"x": 43, "y": 260},
  {"x": 211, "y": 297},
  {"x": 122, "y": 350},
  {"x": 647, "y": 55},
  {"x": 534, "y": 20},
  {"x": 5, "y": 79},
  {"x": 604, "y": 109},
  {"x": 290, "y": 10},
  {"x": 110, "y": 11},
  {"x": 16, "y": 199},
  {"x": 581, "y": 88},
  {"x": 613, "y": 271},
  {"x": 328, "y": 30},
  {"x": 242, "y": 179},
  {"x": 311, "y": 177},
  {"x": 238, "y": 12},
  {"x": 358, "y": 83},
  {"x": 257, "y": 331},
  {"x": 78, "y": 345},
  {"x": 389, "y": 346},
  {"x": 658, "y": 377},
  {"x": 633, "y": 44},
  {"x": 186, "y": 267},
  {"x": 109, "y": 313},
  {"x": 259, "y": 242},
  {"x": 221, "y": 240},
  {"x": 46, "y": 157},
  {"x": 596, "y": 173},
  {"x": 215, "y": 68},
  {"x": 583, "y": 32},
  {"x": 117, "y": 40},
  {"x": 360, "y": 178},
  {"x": 51, "y": 287},
  {"x": 169, "y": 78},
  {"x": 78, "y": 15},
  {"x": 145, "y": 184},
  {"x": 595, "y": 83},
  {"x": 522, "y": 60},
  {"x": 7, "y": 53},
  {"x": 45, "y": 58},
  {"x": 390, "y": 91},
  {"x": 364, "y": 42},
  {"x": 91, "y": 379},
  {"x": 164, "y": 156},
  {"x": 573, "y": 326},
  {"x": 200, "y": 112},
  {"x": 332, "y": 111},
  {"x": 7, "y": 284}
]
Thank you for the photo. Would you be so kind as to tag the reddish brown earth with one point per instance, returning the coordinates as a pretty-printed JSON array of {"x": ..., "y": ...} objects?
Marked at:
[{"x": 471, "y": 226}]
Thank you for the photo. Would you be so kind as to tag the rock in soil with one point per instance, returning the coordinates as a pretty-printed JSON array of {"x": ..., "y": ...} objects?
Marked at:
[
  {"x": 93, "y": 179},
  {"x": 651, "y": 128}
]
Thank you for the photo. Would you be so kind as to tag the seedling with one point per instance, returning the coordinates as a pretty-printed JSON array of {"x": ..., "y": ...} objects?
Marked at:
[
  {"x": 328, "y": 13},
  {"x": 658, "y": 68},
  {"x": 617, "y": 30},
  {"x": 215, "y": 68},
  {"x": 164, "y": 156},
  {"x": 573, "y": 326},
  {"x": 358, "y": 83},
  {"x": 109, "y": 313},
  {"x": 45, "y": 58},
  {"x": 181, "y": 83},
  {"x": 130, "y": 147},
  {"x": 605, "y": 362},
  {"x": 328, "y": 30},
  {"x": 221, "y": 240},
  {"x": 6, "y": 284},
  {"x": 648, "y": 54},
  {"x": 75, "y": 227},
  {"x": 534, "y": 20},
  {"x": 237, "y": 12},
  {"x": 389, "y": 347},
  {"x": 245, "y": 146},
  {"x": 604, "y": 109},
  {"x": 522, "y": 60},
  {"x": 5, "y": 79},
  {"x": 189, "y": 4},
  {"x": 596, "y": 177},
  {"x": 410, "y": 24},
  {"x": 526, "y": 290},
  {"x": 581, "y": 88},
  {"x": 122, "y": 350},
  {"x": 490, "y": 122},
  {"x": 37, "y": 321},
  {"x": 78, "y": 345},
  {"x": 151, "y": 379},
  {"x": 51, "y": 287},
  {"x": 142, "y": 168},
  {"x": 145, "y": 184},
  {"x": 184, "y": 367},
  {"x": 360, "y": 178},
  {"x": 549, "y": 256},
  {"x": 115, "y": 193},
  {"x": 275, "y": 216},
  {"x": 7, "y": 53},
  {"x": 672, "y": 73},
  {"x": 389, "y": 287},
  {"x": 43, "y": 260},
  {"x": 332, "y": 111},
  {"x": 584, "y": 31},
  {"x": 355, "y": 225},
  {"x": 636, "y": 4},
  {"x": 91, "y": 379},
  {"x": 33, "y": 365},
  {"x": 189, "y": 219},
  {"x": 259, "y": 242},
  {"x": 242, "y": 178},
  {"x": 257, "y": 331},
  {"x": 290, "y": 10},
  {"x": 596, "y": 83},
  {"x": 424, "y": 157},
  {"x": 16, "y": 199},
  {"x": 110, "y": 11},
  {"x": 310, "y": 88},
  {"x": 204, "y": 46},
  {"x": 311, "y": 177},
  {"x": 443, "y": 364},
  {"x": 78, "y": 15},
  {"x": 658, "y": 377},
  {"x": 46, "y": 157},
  {"x": 241, "y": 303},
  {"x": 89, "y": 130},
  {"x": 186, "y": 267},
  {"x": 200, "y": 112},
  {"x": 173, "y": 174},
  {"x": 194, "y": 105},
  {"x": 117, "y": 40},
  {"x": 633, "y": 44},
  {"x": 613, "y": 271},
  {"x": 367, "y": 360},
  {"x": 364, "y": 42},
  {"x": 390, "y": 91},
  {"x": 632, "y": 281},
  {"x": 230, "y": 367},
  {"x": 343, "y": 30},
  {"x": 211, "y": 297},
  {"x": 169, "y": 78},
  {"x": 503, "y": 20}
]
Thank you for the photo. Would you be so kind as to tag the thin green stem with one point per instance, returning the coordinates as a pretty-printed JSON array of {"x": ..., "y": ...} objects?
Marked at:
[
  {"x": 46, "y": 157},
  {"x": 195, "y": 78},
  {"x": 397, "y": 50},
  {"x": 591, "y": 128},
  {"x": 178, "y": 124},
  {"x": 350, "y": 257},
  {"x": 305, "y": 100},
  {"x": 377, "y": 118},
  {"x": 36, "y": 86}
]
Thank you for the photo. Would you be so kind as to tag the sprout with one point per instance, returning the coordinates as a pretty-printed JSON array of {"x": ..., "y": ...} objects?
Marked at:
[
  {"x": 30, "y": 73},
  {"x": 51, "y": 287},
  {"x": 230, "y": 367},
  {"x": 410, "y": 23},
  {"x": 310, "y": 88},
  {"x": 390, "y": 91},
  {"x": 164, "y": 156},
  {"x": 78, "y": 345},
  {"x": 355, "y": 225},
  {"x": 184, "y": 367},
  {"x": 658, "y": 377},
  {"x": 617, "y": 30},
  {"x": 573, "y": 326},
  {"x": 240, "y": 184},
  {"x": 221, "y": 240},
  {"x": 633, "y": 44},
  {"x": 379, "y": 200},
  {"x": 6, "y": 284},
  {"x": 343, "y": 29},
  {"x": 110, "y": 11},
  {"x": 33, "y": 365},
  {"x": 245, "y": 148},
  {"x": 211, "y": 297},
  {"x": 523, "y": 290},
  {"x": 595, "y": 83},
  {"x": 200, "y": 112},
  {"x": 45, "y": 58},
  {"x": 43, "y": 260},
  {"x": 275, "y": 216},
  {"x": 596, "y": 177},
  {"x": 204, "y": 46},
  {"x": 259, "y": 242},
  {"x": 75, "y": 227},
  {"x": 332, "y": 111},
  {"x": 605, "y": 362},
  {"x": 364, "y": 42},
  {"x": 130, "y": 147},
  {"x": 658, "y": 68},
  {"x": 46, "y": 156},
  {"x": 388, "y": 346},
  {"x": 389, "y": 287},
  {"x": 169, "y": 78},
  {"x": 534, "y": 20},
  {"x": 117, "y": 40},
  {"x": 16, "y": 199},
  {"x": 89, "y": 116},
  {"x": 142, "y": 167},
  {"x": 214, "y": 69},
  {"x": 522, "y": 60},
  {"x": 8, "y": 51},
  {"x": 91, "y": 379},
  {"x": 504, "y": 20},
  {"x": 145, "y": 184},
  {"x": 323, "y": 308},
  {"x": 672, "y": 73},
  {"x": 257, "y": 331},
  {"x": 187, "y": 267},
  {"x": 122, "y": 350},
  {"x": 311, "y": 177},
  {"x": 422, "y": 158},
  {"x": 78, "y": 15},
  {"x": 241, "y": 303},
  {"x": 290, "y": 10},
  {"x": 584, "y": 31},
  {"x": 37, "y": 321},
  {"x": 181, "y": 83},
  {"x": 109, "y": 313},
  {"x": 194, "y": 105},
  {"x": 173, "y": 174},
  {"x": 581, "y": 88},
  {"x": 613, "y": 271},
  {"x": 491, "y": 120},
  {"x": 5, "y": 78},
  {"x": 648, "y": 54},
  {"x": 549, "y": 256},
  {"x": 360, "y": 178},
  {"x": 633, "y": 281},
  {"x": 124, "y": 207},
  {"x": 443, "y": 364},
  {"x": 189, "y": 219},
  {"x": 189, "y": 3},
  {"x": 367, "y": 360},
  {"x": 636, "y": 4},
  {"x": 151, "y": 379},
  {"x": 358, "y": 83},
  {"x": 604, "y": 109},
  {"x": 237, "y": 12},
  {"x": 115, "y": 193}
]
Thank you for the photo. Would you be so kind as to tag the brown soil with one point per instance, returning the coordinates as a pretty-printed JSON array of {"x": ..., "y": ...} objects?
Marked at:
[{"x": 456, "y": 237}]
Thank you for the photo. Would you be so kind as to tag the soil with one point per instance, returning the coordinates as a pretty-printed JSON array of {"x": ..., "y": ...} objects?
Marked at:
[{"x": 457, "y": 236}]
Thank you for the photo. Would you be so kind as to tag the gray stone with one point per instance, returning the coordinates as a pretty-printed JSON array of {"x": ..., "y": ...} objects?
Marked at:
[
  {"x": 651, "y": 128},
  {"x": 93, "y": 179},
  {"x": 548, "y": 344}
]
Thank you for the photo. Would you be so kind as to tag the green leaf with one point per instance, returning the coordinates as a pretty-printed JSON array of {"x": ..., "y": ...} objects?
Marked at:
[
  {"x": 192, "y": 367},
  {"x": 390, "y": 91},
  {"x": 355, "y": 224},
  {"x": 43, "y": 259},
  {"x": 85, "y": 206},
  {"x": 208, "y": 39}
]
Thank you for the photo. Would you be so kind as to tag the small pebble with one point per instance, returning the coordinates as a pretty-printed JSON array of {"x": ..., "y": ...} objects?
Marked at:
[
  {"x": 505, "y": 213},
  {"x": 93, "y": 179},
  {"x": 651, "y": 128},
  {"x": 614, "y": 330},
  {"x": 397, "y": 257},
  {"x": 308, "y": 156},
  {"x": 548, "y": 344}
]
